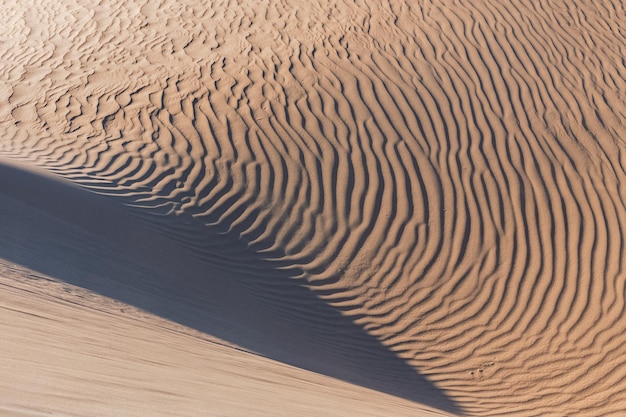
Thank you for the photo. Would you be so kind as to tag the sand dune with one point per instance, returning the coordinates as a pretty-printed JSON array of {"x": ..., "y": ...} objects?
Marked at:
[
  {"x": 422, "y": 198},
  {"x": 125, "y": 362}
]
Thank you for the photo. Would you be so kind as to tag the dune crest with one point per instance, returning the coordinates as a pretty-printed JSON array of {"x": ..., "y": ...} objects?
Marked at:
[{"x": 447, "y": 176}]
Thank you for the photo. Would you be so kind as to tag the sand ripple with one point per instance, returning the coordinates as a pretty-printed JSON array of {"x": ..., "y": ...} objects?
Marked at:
[{"x": 448, "y": 174}]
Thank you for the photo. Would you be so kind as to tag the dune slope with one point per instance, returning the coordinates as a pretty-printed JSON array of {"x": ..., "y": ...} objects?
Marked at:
[
  {"x": 81, "y": 346},
  {"x": 435, "y": 188}
]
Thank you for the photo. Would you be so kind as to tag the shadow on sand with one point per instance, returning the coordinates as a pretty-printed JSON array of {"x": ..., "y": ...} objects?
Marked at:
[{"x": 90, "y": 241}]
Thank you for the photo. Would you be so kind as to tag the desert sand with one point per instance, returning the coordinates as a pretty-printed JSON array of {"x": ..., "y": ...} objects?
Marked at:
[{"x": 313, "y": 208}]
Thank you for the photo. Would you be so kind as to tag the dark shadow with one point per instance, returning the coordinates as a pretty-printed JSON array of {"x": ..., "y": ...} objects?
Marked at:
[{"x": 49, "y": 226}]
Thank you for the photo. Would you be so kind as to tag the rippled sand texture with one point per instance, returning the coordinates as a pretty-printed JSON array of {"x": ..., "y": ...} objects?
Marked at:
[{"x": 449, "y": 175}]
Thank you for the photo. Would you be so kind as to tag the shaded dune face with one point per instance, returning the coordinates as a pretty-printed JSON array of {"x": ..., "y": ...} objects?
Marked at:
[
  {"x": 445, "y": 178},
  {"x": 50, "y": 226}
]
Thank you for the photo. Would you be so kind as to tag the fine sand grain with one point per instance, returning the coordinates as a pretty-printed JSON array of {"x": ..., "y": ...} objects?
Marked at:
[{"x": 313, "y": 207}]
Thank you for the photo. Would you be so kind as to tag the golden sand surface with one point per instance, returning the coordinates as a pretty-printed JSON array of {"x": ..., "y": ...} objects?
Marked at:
[{"x": 289, "y": 207}]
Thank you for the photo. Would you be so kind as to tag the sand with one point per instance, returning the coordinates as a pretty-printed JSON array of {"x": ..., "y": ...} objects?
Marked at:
[{"x": 313, "y": 208}]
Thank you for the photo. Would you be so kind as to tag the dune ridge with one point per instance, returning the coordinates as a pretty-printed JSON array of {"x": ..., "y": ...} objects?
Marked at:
[
  {"x": 68, "y": 234},
  {"x": 447, "y": 175}
]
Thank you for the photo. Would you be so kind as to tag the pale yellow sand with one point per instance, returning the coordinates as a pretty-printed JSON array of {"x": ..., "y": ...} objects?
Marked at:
[
  {"x": 423, "y": 198},
  {"x": 68, "y": 352}
]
